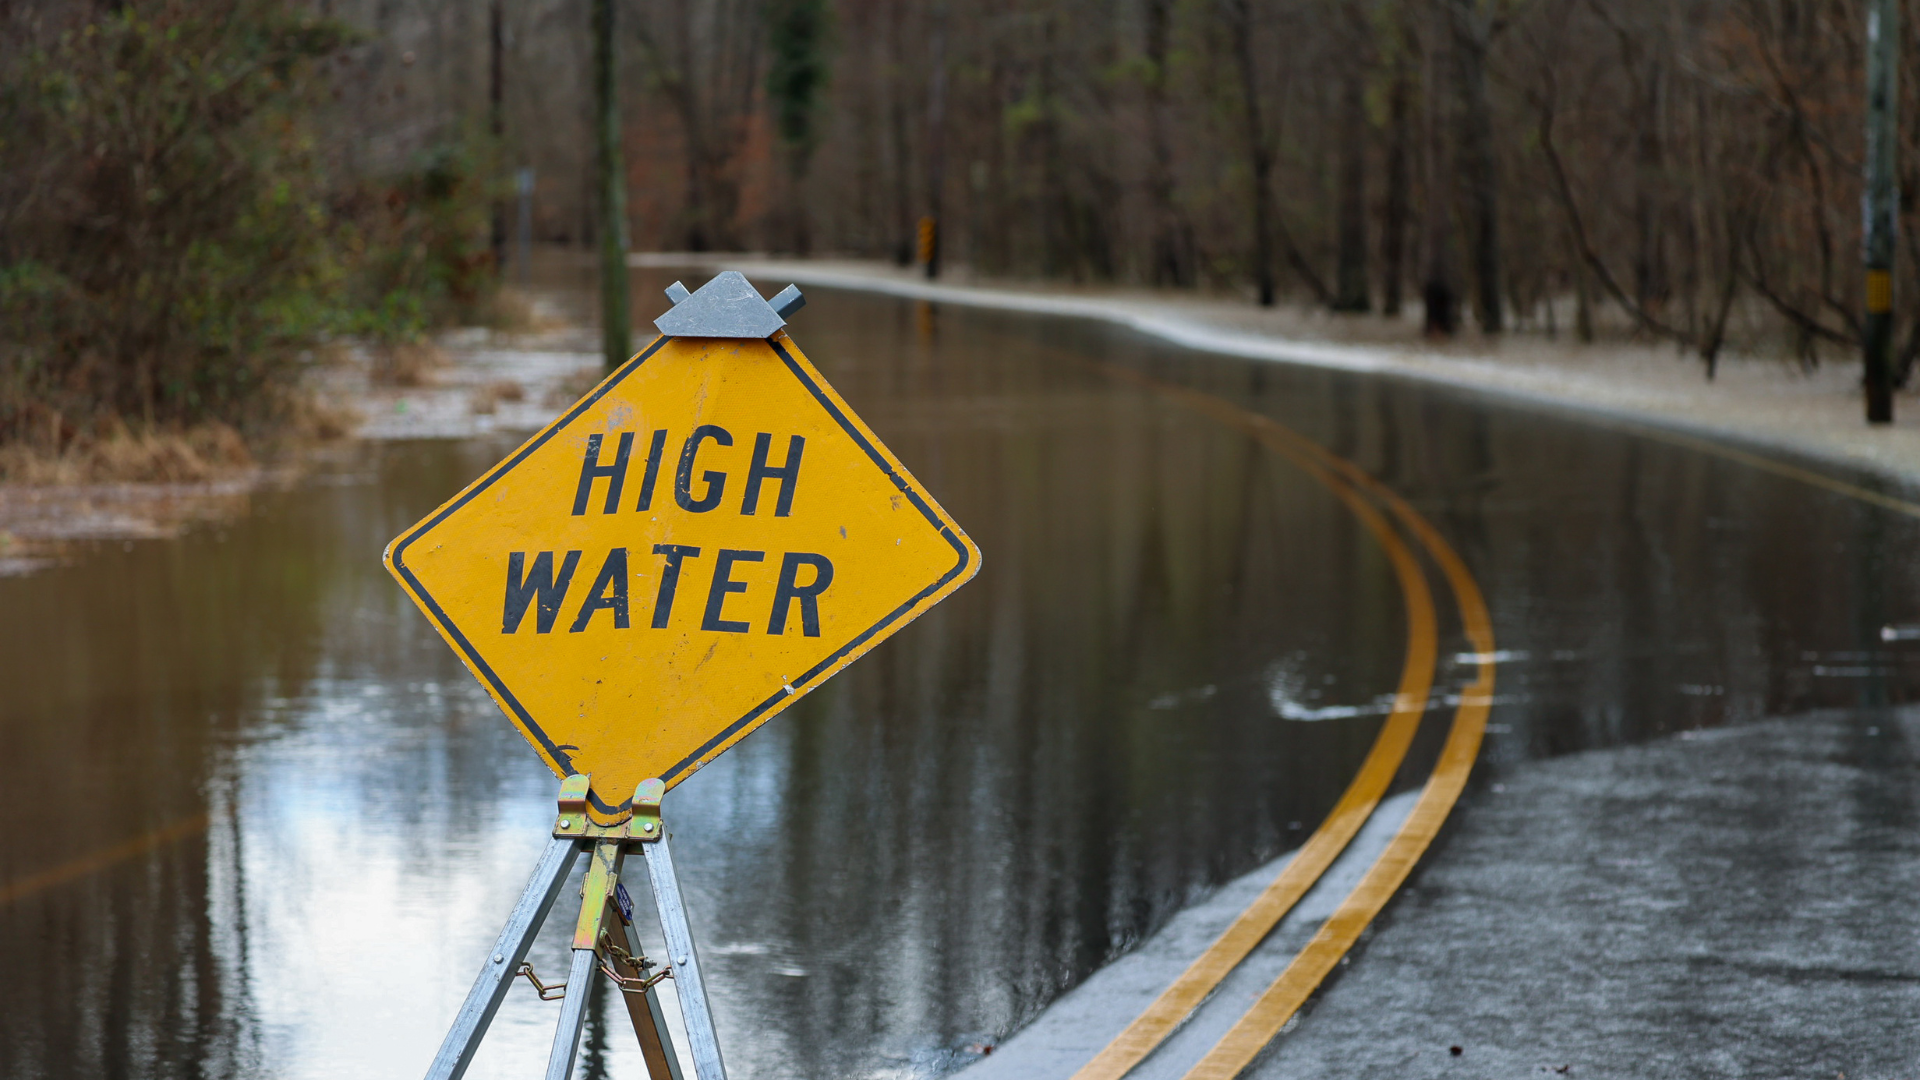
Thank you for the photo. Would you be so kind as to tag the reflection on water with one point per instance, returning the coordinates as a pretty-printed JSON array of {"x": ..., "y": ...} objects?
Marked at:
[{"x": 1174, "y": 656}]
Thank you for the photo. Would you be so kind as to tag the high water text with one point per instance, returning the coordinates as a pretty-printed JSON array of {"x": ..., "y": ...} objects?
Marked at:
[{"x": 540, "y": 581}]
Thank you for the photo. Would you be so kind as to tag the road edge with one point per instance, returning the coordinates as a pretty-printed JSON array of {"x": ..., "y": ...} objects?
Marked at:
[{"x": 1543, "y": 388}]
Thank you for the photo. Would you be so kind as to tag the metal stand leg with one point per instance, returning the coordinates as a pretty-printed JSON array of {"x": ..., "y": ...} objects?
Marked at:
[
  {"x": 701, "y": 1039},
  {"x": 604, "y": 926},
  {"x": 603, "y": 873},
  {"x": 573, "y": 1016},
  {"x": 496, "y": 975},
  {"x": 642, "y": 998}
]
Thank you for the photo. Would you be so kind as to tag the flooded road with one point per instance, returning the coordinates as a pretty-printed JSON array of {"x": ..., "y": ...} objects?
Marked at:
[{"x": 259, "y": 821}]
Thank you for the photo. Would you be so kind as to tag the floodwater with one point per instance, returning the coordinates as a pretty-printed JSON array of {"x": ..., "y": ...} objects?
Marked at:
[{"x": 258, "y": 821}]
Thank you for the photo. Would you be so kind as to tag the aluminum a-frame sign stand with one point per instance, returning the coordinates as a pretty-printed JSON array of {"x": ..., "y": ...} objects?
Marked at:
[{"x": 696, "y": 544}]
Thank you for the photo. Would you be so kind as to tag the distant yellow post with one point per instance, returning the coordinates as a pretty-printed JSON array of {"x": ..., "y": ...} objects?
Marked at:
[
  {"x": 929, "y": 255},
  {"x": 1881, "y": 204}
]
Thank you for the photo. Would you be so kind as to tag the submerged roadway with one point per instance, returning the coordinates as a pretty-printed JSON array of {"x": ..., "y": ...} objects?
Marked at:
[
  {"x": 1300, "y": 722},
  {"x": 1709, "y": 903}
]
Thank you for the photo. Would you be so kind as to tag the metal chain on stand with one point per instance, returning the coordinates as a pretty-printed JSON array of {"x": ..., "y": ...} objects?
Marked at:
[
  {"x": 628, "y": 984},
  {"x": 547, "y": 991}
]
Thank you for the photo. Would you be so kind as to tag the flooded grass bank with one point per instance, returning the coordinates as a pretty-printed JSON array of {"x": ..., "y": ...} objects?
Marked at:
[{"x": 62, "y": 494}]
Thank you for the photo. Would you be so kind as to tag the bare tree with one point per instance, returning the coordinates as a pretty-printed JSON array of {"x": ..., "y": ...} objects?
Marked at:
[
  {"x": 1397, "y": 213},
  {"x": 705, "y": 61},
  {"x": 1681, "y": 169},
  {"x": 1351, "y": 291},
  {"x": 1473, "y": 25},
  {"x": 1172, "y": 241},
  {"x": 1439, "y": 290}
]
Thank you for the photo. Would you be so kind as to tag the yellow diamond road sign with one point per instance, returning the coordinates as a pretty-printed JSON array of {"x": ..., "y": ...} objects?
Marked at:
[{"x": 702, "y": 539}]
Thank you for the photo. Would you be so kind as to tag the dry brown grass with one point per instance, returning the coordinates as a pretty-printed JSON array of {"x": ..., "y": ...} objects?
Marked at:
[
  {"x": 121, "y": 455},
  {"x": 309, "y": 419},
  {"x": 511, "y": 315},
  {"x": 487, "y": 397},
  {"x": 574, "y": 387},
  {"x": 510, "y": 311},
  {"x": 411, "y": 363}
]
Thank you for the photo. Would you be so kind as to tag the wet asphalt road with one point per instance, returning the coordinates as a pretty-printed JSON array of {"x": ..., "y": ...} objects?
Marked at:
[
  {"x": 1742, "y": 902},
  {"x": 1737, "y": 902}
]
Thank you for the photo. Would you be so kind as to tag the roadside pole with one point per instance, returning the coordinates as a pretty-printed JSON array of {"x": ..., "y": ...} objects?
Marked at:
[
  {"x": 936, "y": 144},
  {"x": 523, "y": 183},
  {"x": 615, "y": 333},
  {"x": 1883, "y": 49}
]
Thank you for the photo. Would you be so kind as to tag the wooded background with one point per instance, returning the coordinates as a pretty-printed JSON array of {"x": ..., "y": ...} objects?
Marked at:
[{"x": 1684, "y": 170}]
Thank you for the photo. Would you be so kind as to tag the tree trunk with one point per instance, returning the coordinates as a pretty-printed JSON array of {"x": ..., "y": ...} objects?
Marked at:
[
  {"x": 903, "y": 240},
  {"x": 903, "y": 226},
  {"x": 1350, "y": 285},
  {"x": 796, "y": 77},
  {"x": 1259, "y": 152},
  {"x": 1393, "y": 228},
  {"x": 496, "y": 126},
  {"x": 616, "y": 334},
  {"x": 936, "y": 138},
  {"x": 1481, "y": 169},
  {"x": 1582, "y": 300},
  {"x": 1881, "y": 205},
  {"x": 699, "y": 193},
  {"x": 799, "y": 230},
  {"x": 1059, "y": 255},
  {"x": 1438, "y": 290},
  {"x": 1650, "y": 284},
  {"x": 1172, "y": 243}
]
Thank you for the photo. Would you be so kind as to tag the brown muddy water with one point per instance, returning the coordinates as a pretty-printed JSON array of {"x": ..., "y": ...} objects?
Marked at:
[{"x": 255, "y": 820}]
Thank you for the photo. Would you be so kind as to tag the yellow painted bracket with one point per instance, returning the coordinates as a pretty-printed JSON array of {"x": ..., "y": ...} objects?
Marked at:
[
  {"x": 643, "y": 824},
  {"x": 573, "y": 807},
  {"x": 603, "y": 873}
]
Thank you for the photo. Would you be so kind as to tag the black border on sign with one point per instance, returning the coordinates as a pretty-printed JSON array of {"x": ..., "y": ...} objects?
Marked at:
[{"x": 800, "y": 684}]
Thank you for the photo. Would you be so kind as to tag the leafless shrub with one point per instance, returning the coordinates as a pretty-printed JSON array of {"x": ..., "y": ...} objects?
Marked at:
[
  {"x": 123, "y": 455},
  {"x": 574, "y": 387},
  {"x": 408, "y": 363},
  {"x": 487, "y": 397},
  {"x": 163, "y": 249}
]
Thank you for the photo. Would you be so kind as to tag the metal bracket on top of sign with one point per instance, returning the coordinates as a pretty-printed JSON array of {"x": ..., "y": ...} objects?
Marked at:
[
  {"x": 727, "y": 307},
  {"x": 604, "y": 941}
]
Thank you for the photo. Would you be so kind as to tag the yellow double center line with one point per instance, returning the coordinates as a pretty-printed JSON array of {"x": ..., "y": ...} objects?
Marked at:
[
  {"x": 95, "y": 861},
  {"x": 1257, "y": 1027}
]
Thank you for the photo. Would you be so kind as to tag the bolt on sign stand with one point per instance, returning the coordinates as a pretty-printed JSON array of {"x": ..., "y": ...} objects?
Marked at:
[{"x": 694, "y": 545}]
